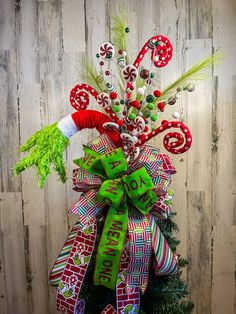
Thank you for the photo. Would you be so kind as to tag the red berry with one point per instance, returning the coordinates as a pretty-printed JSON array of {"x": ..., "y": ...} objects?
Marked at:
[
  {"x": 120, "y": 122},
  {"x": 113, "y": 95},
  {"x": 146, "y": 128},
  {"x": 107, "y": 72},
  {"x": 130, "y": 127},
  {"x": 136, "y": 104},
  {"x": 161, "y": 106},
  {"x": 157, "y": 93}
]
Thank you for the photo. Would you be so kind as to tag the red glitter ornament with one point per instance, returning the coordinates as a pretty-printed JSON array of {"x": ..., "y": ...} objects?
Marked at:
[
  {"x": 161, "y": 106},
  {"x": 113, "y": 95},
  {"x": 136, "y": 104},
  {"x": 157, "y": 93}
]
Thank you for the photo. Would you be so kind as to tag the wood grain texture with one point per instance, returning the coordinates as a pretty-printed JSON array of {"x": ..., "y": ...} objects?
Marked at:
[{"x": 42, "y": 43}]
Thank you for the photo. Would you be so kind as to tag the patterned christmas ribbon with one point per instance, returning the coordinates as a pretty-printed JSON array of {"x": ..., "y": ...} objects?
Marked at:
[
  {"x": 136, "y": 186},
  {"x": 165, "y": 263},
  {"x": 75, "y": 270},
  {"x": 88, "y": 207},
  {"x": 139, "y": 249}
]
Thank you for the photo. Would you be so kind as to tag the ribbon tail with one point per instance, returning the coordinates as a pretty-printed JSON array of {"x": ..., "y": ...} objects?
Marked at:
[
  {"x": 140, "y": 250},
  {"x": 110, "y": 247},
  {"x": 58, "y": 268},
  {"x": 109, "y": 309},
  {"x": 127, "y": 300},
  {"x": 165, "y": 263},
  {"x": 75, "y": 269},
  {"x": 87, "y": 206}
]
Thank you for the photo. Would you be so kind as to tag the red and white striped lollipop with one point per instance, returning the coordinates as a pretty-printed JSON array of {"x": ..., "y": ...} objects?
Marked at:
[
  {"x": 130, "y": 73},
  {"x": 106, "y": 50},
  {"x": 104, "y": 100}
]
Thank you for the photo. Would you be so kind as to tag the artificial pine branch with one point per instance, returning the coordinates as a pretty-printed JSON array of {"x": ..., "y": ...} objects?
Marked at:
[
  {"x": 118, "y": 33},
  {"x": 92, "y": 76}
]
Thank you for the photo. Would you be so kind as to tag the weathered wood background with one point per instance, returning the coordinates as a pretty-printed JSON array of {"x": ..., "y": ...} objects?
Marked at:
[{"x": 41, "y": 43}]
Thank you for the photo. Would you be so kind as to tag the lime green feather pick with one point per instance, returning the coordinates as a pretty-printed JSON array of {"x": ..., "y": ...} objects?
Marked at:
[
  {"x": 197, "y": 73},
  {"x": 45, "y": 147}
]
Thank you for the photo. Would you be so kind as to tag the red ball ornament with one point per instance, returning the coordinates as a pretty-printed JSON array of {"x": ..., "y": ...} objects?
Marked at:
[
  {"x": 161, "y": 106},
  {"x": 113, "y": 95},
  {"x": 107, "y": 72},
  {"x": 136, "y": 104},
  {"x": 130, "y": 127},
  {"x": 144, "y": 74},
  {"x": 120, "y": 51},
  {"x": 120, "y": 122},
  {"x": 157, "y": 93},
  {"x": 101, "y": 63}
]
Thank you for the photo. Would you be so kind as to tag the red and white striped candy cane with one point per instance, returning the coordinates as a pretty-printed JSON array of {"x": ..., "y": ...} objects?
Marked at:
[
  {"x": 161, "y": 51},
  {"x": 79, "y": 99},
  {"x": 172, "y": 147},
  {"x": 79, "y": 96}
]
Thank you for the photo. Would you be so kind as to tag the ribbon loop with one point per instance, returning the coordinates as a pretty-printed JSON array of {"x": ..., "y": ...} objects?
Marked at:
[
  {"x": 138, "y": 183},
  {"x": 111, "y": 192},
  {"x": 114, "y": 163}
]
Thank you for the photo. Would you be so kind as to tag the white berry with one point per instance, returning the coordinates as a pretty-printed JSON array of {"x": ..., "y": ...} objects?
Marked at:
[
  {"x": 176, "y": 115},
  {"x": 140, "y": 91}
]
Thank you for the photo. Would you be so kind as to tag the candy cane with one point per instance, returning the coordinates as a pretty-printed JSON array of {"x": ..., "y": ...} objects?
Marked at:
[
  {"x": 79, "y": 99},
  {"x": 161, "y": 51},
  {"x": 171, "y": 147}
]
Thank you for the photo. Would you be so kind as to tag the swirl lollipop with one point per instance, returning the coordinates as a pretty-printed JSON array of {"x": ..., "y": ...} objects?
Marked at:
[
  {"x": 104, "y": 100},
  {"x": 106, "y": 50},
  {"x": 130, "y": 73}
]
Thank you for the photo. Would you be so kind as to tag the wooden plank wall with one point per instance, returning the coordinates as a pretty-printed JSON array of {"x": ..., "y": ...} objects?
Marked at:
[{"x": 41, "y": 43}]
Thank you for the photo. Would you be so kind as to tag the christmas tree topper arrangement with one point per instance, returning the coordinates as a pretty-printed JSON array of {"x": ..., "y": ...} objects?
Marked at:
[{"x": 122, "y": 179}]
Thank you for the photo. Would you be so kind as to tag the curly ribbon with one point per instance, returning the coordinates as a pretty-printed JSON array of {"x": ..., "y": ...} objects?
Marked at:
[
  {"x": 172, "y": 147},
  {"x": 89, "y": 208},
  {"x": 161, "y": 51},
  {"x": 79, "y": 99}
]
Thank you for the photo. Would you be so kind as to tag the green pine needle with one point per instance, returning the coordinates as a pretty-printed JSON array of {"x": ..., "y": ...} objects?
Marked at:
[
  {"x": 47, "y": 147},
  {"x": 92, "y": 76},
  {"x": 196, "y": 73},
  {"x": 118, "y": 33}
]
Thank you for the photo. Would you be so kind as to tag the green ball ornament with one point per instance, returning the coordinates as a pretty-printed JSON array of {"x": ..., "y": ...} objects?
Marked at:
[
  {"x": 150, "y": 106},
  {"x": 132, "y": 116},
  {"x": 153, "y": 117},
  {"x": 117, "y": 108},
  {"x": 109, "y": 56},
  {"x": 152, "y": 75},
  {"x": 127, "y": 29},
  {"x": 97, "y": 55},
  {"x": 147, "y": 114},
  {"x": 149, "y": 98},
  {"x": 122, "y": 101}
]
